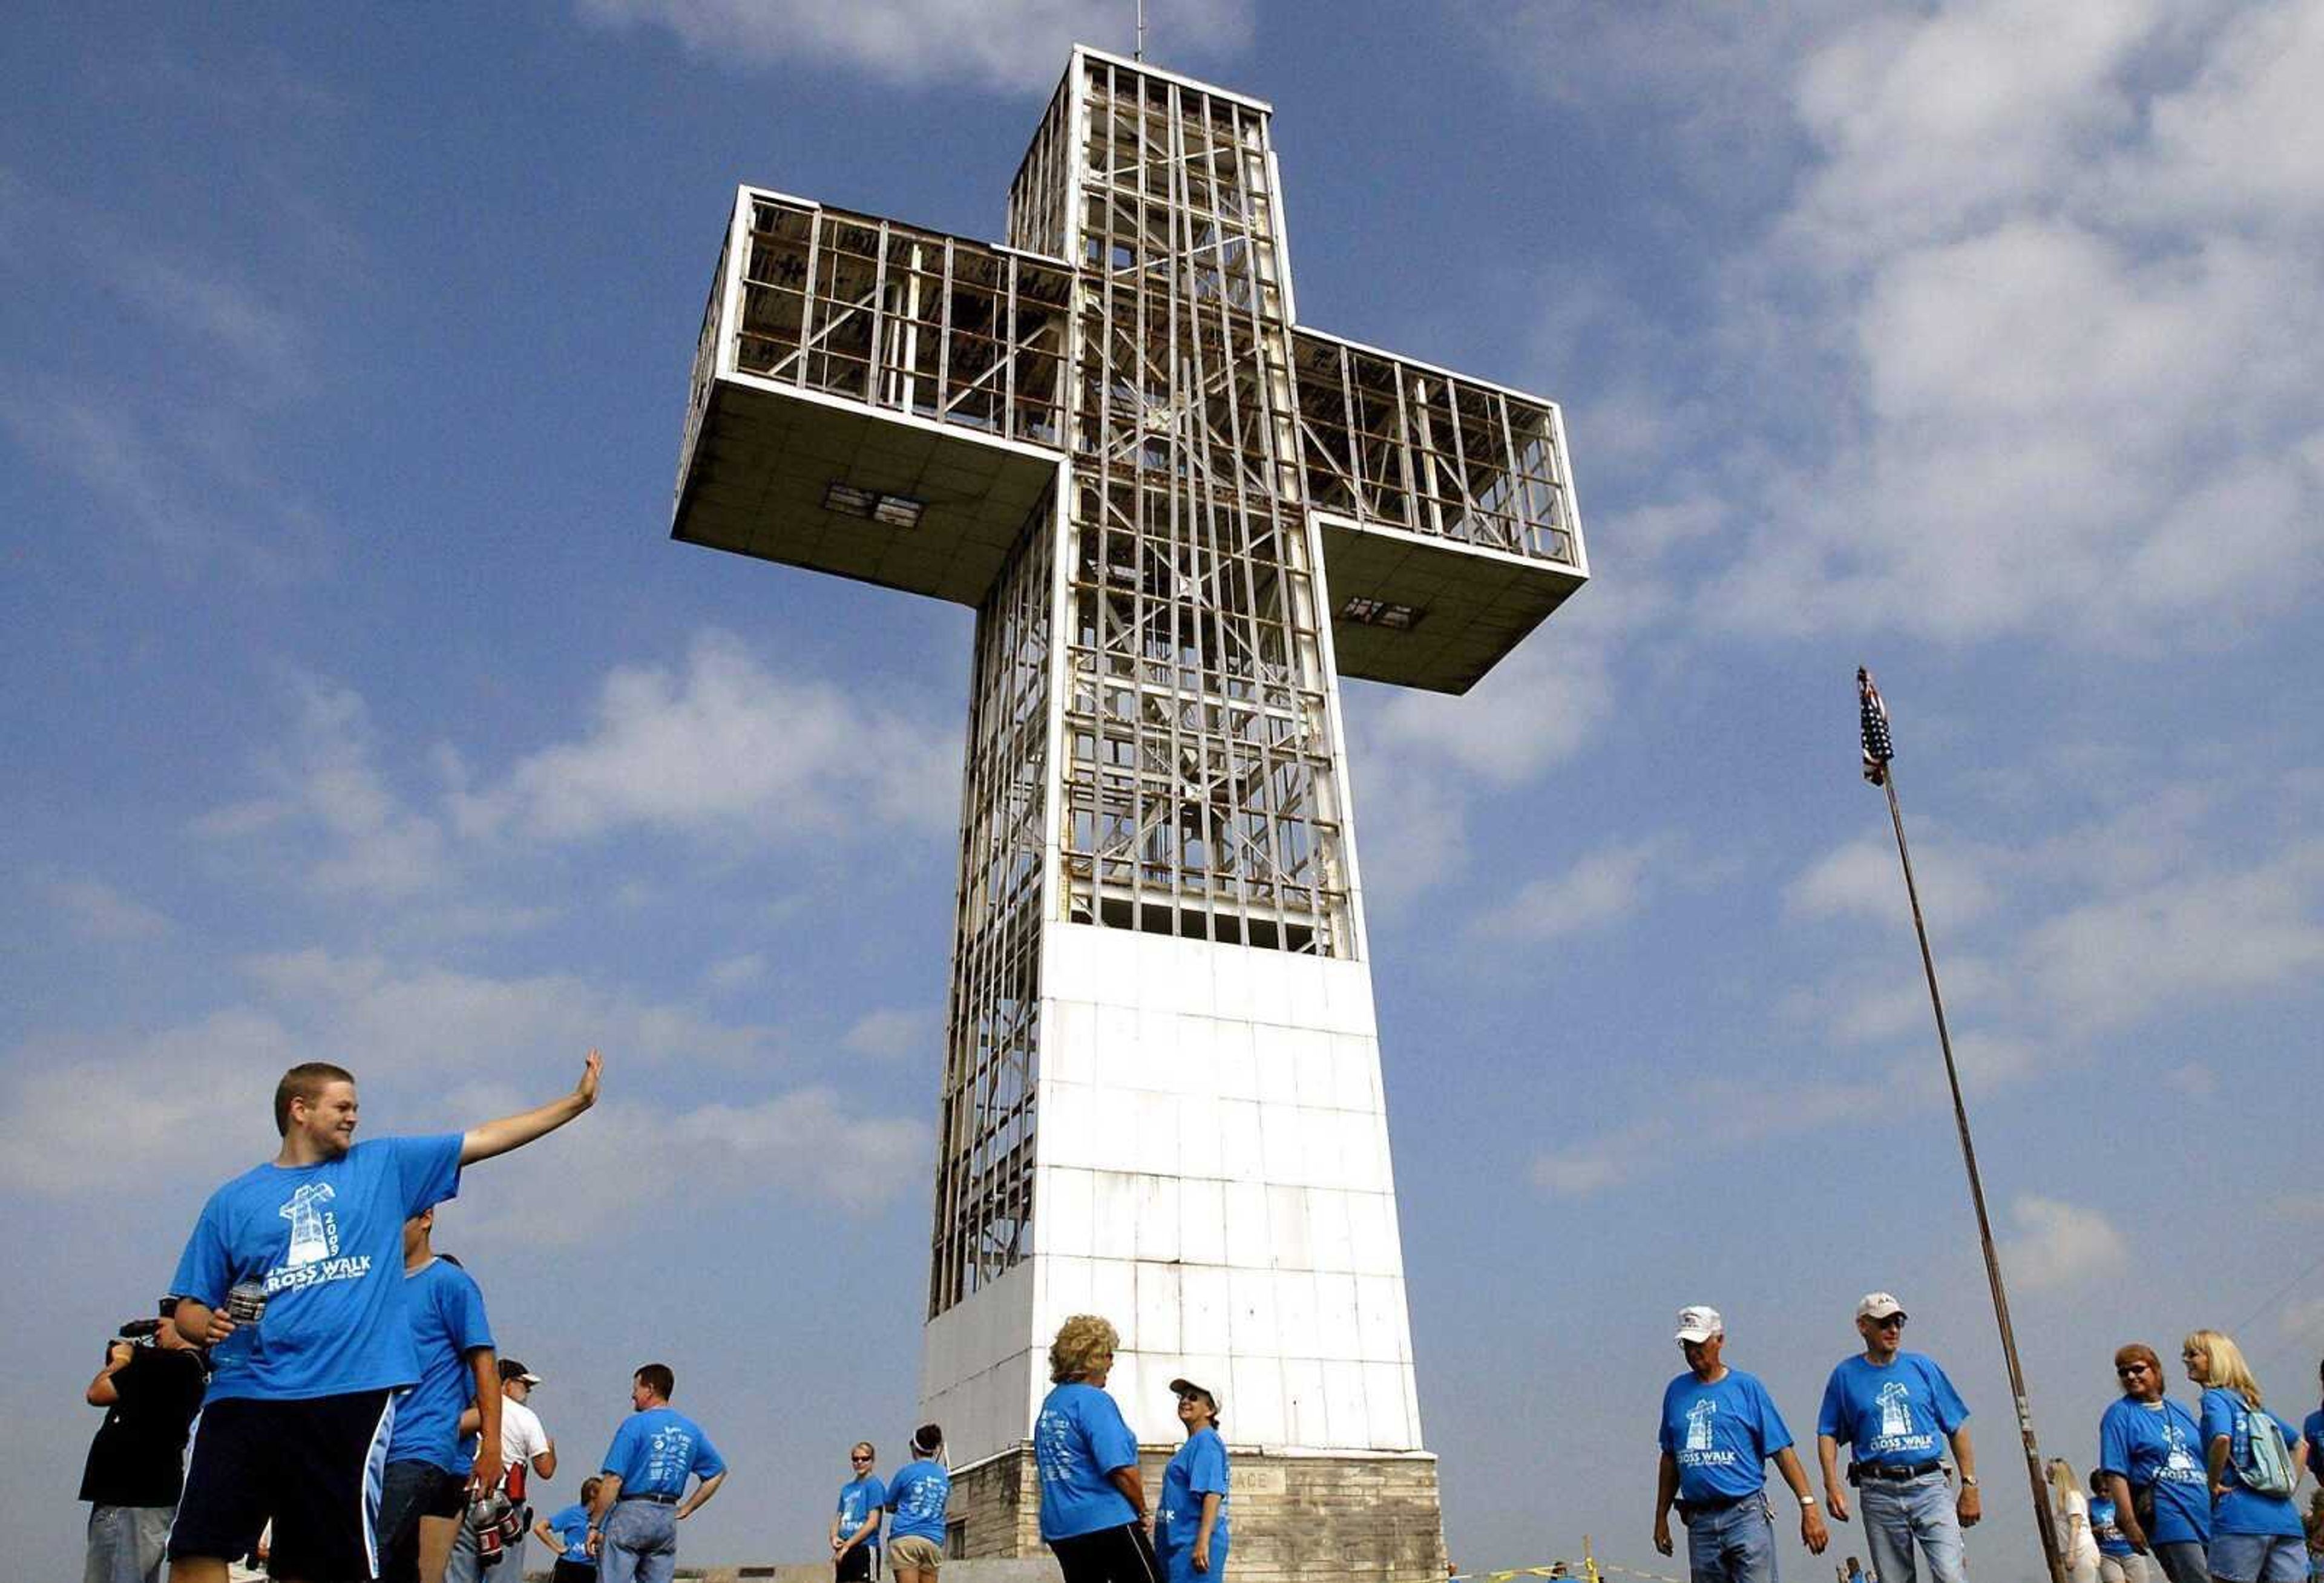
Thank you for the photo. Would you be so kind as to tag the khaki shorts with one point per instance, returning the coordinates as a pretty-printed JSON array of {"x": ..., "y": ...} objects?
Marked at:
[{"x": 912, "y": 1551}]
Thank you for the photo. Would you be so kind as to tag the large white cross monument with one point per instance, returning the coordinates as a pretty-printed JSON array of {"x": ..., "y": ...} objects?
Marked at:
[{"x": 1181, "y": 515}]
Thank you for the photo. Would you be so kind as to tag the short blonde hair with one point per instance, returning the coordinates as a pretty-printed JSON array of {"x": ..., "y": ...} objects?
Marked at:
[
  {"x": 1084, "y": 1341},
  {"x": 2224, "y": 1367}
]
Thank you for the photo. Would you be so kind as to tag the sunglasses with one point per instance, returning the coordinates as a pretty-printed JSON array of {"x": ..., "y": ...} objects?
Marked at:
[
  {"x": 2127, "y": 1369},
  {"x": 859, "y": 1459}
]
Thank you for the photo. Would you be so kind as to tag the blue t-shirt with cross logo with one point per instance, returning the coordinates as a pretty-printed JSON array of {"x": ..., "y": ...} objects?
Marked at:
[
  {"x": 326, "y": 1242},
  {"x": 2159, "y": 1445},
  {"x": 1898, "y": 1414},
  {"x": 1720, "y": 1434},
  {"x": 860, "y": 1498}
]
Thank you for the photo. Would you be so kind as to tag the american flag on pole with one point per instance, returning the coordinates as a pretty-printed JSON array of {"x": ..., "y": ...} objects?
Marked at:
[{"x": 1877, "y": 749}]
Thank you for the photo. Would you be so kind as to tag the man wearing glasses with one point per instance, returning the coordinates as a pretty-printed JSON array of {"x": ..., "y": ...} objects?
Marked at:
[
  {"x": 855, "y": 1525},
  {"x": 2148, "y": 1450},
  {"x": 1897, "y": 1412}
]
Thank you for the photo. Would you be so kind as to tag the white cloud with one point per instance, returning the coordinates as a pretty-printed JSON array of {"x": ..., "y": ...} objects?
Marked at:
[
  {"x": 734, "y": 971},
  {"x": 84, "y": 1112},
  {"x": 1581, "y": 1169},
  {"x": 723, "y": 746},
  {"x": 2058, "y": 1245},
  {"x": 192, "y": 298},
  {"x": 437, "y": 1047},
  {"x": 1017, "y": 44},
  {"x": 2303, "y": 1320},
  {"x": 891, "y": 1034},
  {"x": 606, "y": 1168},
  {"x": 326, "y": 781},
  {"x": 1863, "y": 879},
  {"x": 721, "y": 750},
  {"x": 1534, "y": 709},
  {"x": 2038, "y": 307},
  {"x": 1423, "y": 758},
  {"x": 1601, "y": 888},
  {"x": 94, "y": 910},
  {"x": 2111, "y": 961},
  {"x": 1873, "y": 1008},
  {"x": 2194, "y": 1079},
  {"x": 432, "y": 1018}
]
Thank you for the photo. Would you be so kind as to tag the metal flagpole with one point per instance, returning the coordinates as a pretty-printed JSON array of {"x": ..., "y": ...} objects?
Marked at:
[{"x": 1878, "y": 751}]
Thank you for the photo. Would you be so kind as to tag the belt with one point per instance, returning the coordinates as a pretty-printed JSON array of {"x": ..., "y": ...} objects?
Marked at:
[
  {"x": 1715, "y": 1503},
  {"x": 658, "y": 1498},
  {"x": 1889, "y": 1472}
]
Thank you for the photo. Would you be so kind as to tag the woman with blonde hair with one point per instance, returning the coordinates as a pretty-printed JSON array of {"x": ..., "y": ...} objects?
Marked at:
[
  {"x": 2256, "y": 1535},
  {"x": 2071, "y": 1508},
  {"x": 1092, "y": 1502}
]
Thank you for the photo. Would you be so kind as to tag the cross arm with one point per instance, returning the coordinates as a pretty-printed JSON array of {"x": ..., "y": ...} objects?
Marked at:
[
  {"x": 1446, "y": 505},
  {"x": 871, "y": 399}
]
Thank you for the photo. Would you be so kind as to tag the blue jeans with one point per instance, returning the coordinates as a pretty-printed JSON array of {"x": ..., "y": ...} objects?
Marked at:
[
  {"x": 2258, "y": 1558},
  {"x": 1733, "y": 1544},
  {"x": 125, "y": 1543},
  {"x": 465, "y": 1565},
  {"x": 2185, "y": 1561},
  {"x": 1899, "y": 1514},
  {"x": 640, "y": 1544}
]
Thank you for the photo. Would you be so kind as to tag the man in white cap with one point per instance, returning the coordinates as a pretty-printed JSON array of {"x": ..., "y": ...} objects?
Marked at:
[
  {"x": 527, "y": 1452},
  {"x": 1897, "y": 1412},
  {"x": 1719, "y": 1428}
]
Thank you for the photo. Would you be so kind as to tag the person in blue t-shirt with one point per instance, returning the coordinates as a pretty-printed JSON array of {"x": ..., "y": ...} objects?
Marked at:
[
  {"x": 918, "y": 1496},
  {"x": 294, "y": 1279},
  {"x": 2256, "y": 1537},
  {"x": 431, "y": 1475},
  {"x": 1897, "y": 1413},
  {"x": 855, "y": 1524},
  {"x": 641, "y": 1495},
  {"x": 1191, "y": 1524},
  {"x": 2118, "y": 1563},
  {"x": 2311, "y": 1431},
  {"x": 1719, "y": 1428},
  {"x": 566, "y": 1533},
  {"x": 1092, "y": 1501},
  {"x": 2148, "y": 1448}
]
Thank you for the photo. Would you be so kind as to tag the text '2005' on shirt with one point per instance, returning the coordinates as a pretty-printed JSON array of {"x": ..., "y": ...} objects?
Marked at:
[{"x": 326, "y": 1242}]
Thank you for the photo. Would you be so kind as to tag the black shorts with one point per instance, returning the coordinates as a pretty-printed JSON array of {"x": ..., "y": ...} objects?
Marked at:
[
  {"x": 1111, "y": 1555},
  {"x": 413, "y": 1490},
  {"x": 860, "y": 1565},
  {"x": 572, "y": 1571},
  {"x": 313, "y": 1468}
]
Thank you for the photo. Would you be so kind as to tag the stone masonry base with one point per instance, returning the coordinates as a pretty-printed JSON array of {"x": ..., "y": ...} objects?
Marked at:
[{"x": 1296, "y": 1519}]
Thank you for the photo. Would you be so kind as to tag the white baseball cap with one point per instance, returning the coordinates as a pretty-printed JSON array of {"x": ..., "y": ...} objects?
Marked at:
[
  {"x": 1878, "y": 1305},
  {"x": 1699, "y": 1323}
]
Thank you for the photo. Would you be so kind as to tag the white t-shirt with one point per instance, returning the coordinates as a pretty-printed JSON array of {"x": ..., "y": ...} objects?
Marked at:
[
  {"x": 521, "y": 1437},
  {"x": 2075, "y": 1519}
]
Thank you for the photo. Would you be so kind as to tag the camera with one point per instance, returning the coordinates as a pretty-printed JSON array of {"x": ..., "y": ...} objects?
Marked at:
[{"x": 143, "y": 1331}]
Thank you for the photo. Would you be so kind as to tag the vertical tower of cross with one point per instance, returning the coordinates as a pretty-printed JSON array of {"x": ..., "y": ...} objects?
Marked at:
[{"x": 1180, "y": 516}]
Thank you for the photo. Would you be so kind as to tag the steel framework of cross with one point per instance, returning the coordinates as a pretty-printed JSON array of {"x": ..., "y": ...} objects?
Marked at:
[{"x": 1180, "y": 516}]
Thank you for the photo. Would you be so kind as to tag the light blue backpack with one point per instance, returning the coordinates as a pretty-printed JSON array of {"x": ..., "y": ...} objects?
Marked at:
[{"x": 2262, "y": 1461}]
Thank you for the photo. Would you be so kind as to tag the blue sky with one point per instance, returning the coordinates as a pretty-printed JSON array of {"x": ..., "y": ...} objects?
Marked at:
[{"x": 361, "y": 708}]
